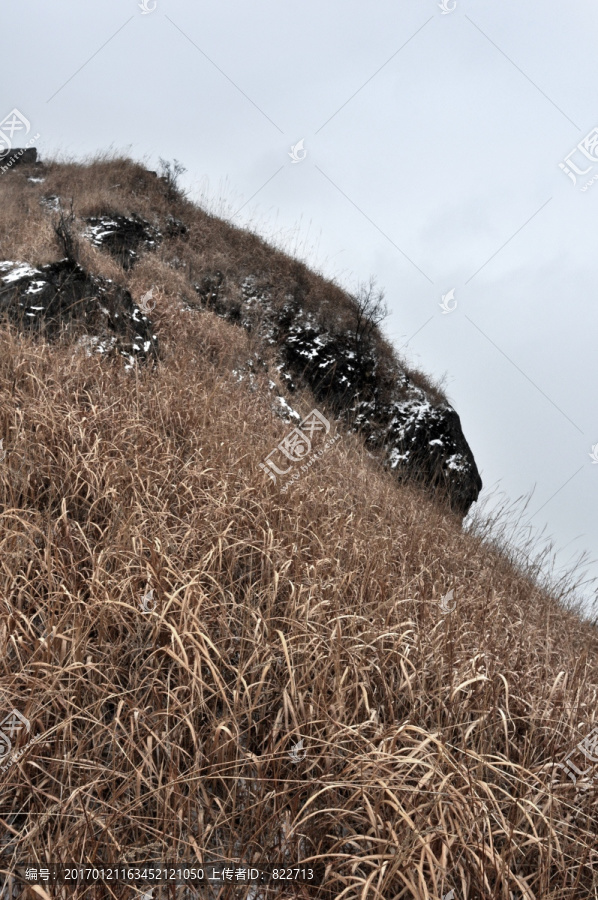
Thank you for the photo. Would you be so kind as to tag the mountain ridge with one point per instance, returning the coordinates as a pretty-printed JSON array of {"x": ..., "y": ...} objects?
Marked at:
[{"x": 325, "y": 338}]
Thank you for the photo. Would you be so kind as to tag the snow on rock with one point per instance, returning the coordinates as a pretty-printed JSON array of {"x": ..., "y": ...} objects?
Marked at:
[
  {"x": 89, "y": 343},
  {"x": 64, "y": 294},
  {"x": 285, "y": 411},
  {"x": 122, "y": 236},
  {"x": 16, "y": 271},
  {"x": 426, "y": 439},
  {"x": 416, "y": 435},
  {"x": 51, "y": 203}
]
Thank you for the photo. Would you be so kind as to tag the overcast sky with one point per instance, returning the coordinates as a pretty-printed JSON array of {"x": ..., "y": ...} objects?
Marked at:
[{"x": 430, "y": 159}]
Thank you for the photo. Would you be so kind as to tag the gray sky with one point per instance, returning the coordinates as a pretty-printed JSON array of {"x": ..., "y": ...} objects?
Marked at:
[{"x": 433, "y": 142}]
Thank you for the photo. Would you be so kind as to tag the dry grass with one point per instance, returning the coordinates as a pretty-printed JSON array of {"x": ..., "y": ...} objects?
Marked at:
[
  {"x": 113, "y": 184},
  {"x": 309, "y": 615}
]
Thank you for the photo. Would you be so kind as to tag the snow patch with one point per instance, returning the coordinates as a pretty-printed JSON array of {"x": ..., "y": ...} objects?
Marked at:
[{"x": 20, "y": 270}]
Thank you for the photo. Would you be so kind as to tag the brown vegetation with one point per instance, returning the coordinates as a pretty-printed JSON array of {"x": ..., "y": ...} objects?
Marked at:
[{"x": 312, "y": 615}]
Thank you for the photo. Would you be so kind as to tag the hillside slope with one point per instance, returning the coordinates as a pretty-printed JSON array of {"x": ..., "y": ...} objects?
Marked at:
[
  {"x": 307, "y": 332},
  {"x": 207, "y": 666}
]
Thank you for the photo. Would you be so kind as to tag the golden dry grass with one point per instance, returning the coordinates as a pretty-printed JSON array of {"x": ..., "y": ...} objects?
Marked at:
[{"x": 311, "y": 615}]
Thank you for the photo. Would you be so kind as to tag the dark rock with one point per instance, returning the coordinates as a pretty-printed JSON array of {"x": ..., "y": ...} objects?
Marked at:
[
  {"x": 208, "y": 290},
  {"x": 122, "y": 236},
  {"x": 18, "y": 156},
  {"x": 329, "y": 364},
  {"x": 421, "y": 438},
  {"x": 424, "y": 440},
  {"x": 174, "y": 227},
  {"x": 418, "y": 436},
  {"x": 61, "y": 295}
]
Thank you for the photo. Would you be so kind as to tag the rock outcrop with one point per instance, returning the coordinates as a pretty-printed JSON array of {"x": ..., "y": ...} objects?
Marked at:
[
  {"x": 417, "y": 434},
  {"x": 122, "y": 236},
  {"x": 61, "y": 295},
  {"x": 18, "y": 156}
]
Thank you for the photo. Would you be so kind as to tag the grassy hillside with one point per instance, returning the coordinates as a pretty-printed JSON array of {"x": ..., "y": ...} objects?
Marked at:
[{"x": 424, "y": 738}]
